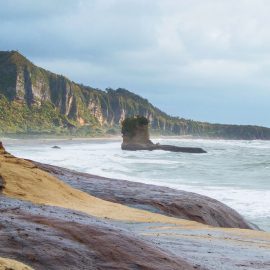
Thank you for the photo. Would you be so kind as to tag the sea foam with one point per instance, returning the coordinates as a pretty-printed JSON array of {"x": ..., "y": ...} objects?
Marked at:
[{"x": 234, "y": 172}]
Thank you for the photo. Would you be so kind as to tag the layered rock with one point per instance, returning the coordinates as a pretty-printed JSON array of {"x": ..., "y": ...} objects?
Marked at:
[
  {"x": 33, "y": 99},
  {"x": 47, "y": 224},
  {"x": 156, "y": 199},
  {"x": 136, "y": 137},
  {"x": 59, "y": 239}
]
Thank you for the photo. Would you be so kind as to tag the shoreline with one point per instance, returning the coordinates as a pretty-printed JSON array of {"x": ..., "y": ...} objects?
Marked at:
[
  {"x": 203, "y": 187},
  {"x": 118, "y": 221},
  {"x": 27, "y": 137}
]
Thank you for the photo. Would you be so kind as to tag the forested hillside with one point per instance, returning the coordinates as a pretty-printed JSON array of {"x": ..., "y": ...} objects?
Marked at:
[{"x": 36, "y": 101}]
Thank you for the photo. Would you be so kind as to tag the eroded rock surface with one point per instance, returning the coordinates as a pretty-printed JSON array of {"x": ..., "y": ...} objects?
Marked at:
[
  {"x": 46, "y": 237},
  {"x": 53, "y": 238},
  {"x": 163, "y": 200}
]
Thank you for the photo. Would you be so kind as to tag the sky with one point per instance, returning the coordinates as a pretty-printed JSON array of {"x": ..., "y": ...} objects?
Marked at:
[{"x": 203, "y": 60}]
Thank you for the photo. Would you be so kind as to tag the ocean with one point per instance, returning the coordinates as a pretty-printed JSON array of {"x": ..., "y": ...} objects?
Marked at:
[{"x": 236, "y": 173}]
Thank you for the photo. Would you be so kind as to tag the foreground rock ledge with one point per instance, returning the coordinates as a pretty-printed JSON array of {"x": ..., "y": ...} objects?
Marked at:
[
  {"x": 136, "y": 137},
  {"x": 62, "y": 238},
  {"x": 156, "y": 199}
]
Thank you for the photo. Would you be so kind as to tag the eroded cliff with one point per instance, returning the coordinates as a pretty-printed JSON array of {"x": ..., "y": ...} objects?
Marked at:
[{"x": 34, "y": 100}]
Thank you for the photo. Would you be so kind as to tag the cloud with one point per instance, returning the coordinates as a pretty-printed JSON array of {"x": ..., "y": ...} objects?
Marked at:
[
  {"x": 30, "y": 10},
  {"x": 207, "y": 55}
]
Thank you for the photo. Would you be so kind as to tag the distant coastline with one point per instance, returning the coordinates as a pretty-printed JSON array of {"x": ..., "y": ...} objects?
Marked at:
[{"x": 36, "y": 102}]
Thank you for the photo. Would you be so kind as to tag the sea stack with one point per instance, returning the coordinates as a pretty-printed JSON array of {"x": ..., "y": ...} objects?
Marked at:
[{"x": 136, "y": 136}]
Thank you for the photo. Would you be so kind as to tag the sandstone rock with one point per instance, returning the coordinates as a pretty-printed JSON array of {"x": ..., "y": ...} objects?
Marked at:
[
  {"x": 59, "y": 239},
  {"x": 157, "y": 199}
]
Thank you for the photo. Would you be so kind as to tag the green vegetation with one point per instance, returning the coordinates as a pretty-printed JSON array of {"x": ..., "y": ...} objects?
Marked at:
[
  {"x": 36, "y": 101},
  {"x": 16, "y": 117},
  {"x": 130, "y": 125}
]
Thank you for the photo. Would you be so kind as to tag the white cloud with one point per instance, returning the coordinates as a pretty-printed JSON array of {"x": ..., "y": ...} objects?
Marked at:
[
  {"x": 190, "y": 48},
  {"x": 221, "y": 69}
]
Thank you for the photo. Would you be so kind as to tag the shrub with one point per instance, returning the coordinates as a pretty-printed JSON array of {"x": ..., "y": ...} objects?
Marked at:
[{"x": 130, "y": 124}]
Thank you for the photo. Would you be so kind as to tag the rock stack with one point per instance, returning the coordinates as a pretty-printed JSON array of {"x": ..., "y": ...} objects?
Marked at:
[{"x": 136, "y": 137}]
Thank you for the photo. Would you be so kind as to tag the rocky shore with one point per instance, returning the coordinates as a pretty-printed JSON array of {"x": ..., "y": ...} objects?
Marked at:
[
  {"x": 54, "y": 218},
  {"x": 156, "y": 199}
]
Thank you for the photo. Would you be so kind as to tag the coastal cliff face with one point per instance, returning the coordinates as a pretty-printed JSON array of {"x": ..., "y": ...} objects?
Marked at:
[{"x": 34, "y": 100}]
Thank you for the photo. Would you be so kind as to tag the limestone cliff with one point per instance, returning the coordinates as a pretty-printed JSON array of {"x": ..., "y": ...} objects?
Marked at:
[{"x": 34, "y": 100}]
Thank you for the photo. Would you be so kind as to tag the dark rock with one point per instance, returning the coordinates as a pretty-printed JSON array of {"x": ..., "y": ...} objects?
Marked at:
[
  {"x": 88, "y": 243},
  {"x": 171, "y": 148},
  {"x": 136, "y": 137},
  {"x": 2, "y": 183},
  {"x": 56, "y": 147}
]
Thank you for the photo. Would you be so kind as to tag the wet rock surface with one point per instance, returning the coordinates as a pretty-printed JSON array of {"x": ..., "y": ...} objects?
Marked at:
[
  {"x": 210, "y": 249},
  {"x": 171, "y": 148},
  {"x": 46, "y": 237},
  {"x": 50, "y": 237},
  {"x": 56, "y": 147},
  {"x": 163, "y": 200},
  {"x": 54, "y": 238}
]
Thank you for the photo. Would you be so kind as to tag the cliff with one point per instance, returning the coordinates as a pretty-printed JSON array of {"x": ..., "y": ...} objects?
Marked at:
[{"x": 34, "y": 100}]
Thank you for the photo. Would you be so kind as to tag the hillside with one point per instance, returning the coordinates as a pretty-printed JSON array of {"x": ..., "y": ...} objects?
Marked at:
[{"x": 36, "y": 101}]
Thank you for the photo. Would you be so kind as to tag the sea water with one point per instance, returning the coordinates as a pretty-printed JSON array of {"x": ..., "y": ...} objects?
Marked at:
[{"x": 236, "y": 173}]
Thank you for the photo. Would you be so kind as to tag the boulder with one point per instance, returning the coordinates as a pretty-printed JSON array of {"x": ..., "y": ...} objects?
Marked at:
[{"x": 56, "y": 147}]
